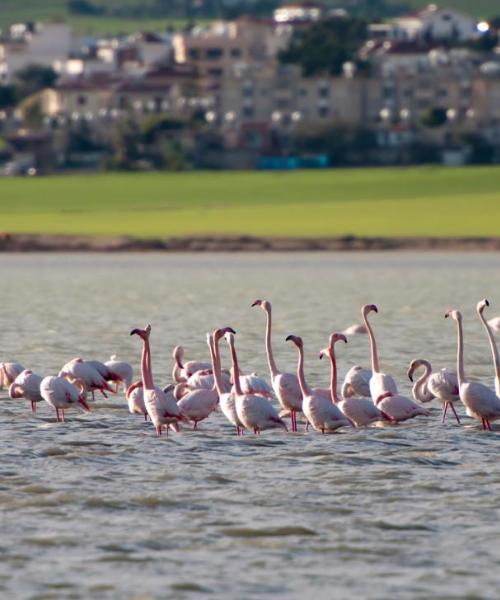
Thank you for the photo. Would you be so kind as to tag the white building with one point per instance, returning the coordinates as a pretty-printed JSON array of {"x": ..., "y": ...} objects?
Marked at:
[{"x": 434, "y": 23}]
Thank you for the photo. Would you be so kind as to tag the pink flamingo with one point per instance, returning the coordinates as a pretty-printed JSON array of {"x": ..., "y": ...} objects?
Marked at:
[
  {"x": 135, "y": 399},
  {"x": 493, "y": 346},
  {"x": 161, "y": 407},
  {"x": 286, "y": 385},
  {"x": 77, "y": 368},
  {"x": 8, "y": 372},
  {"x": 61, "y": 394},
  {"x": 120, "y": 372},
  {"x": 27, "y": 385},
  {"x": 254, "y": 412},
  {"x": 360, "y": 411},
  {"x": 356, "y": 382},
  {"x": 183, "y": 371},
  {"x": 442, "y": 385},
  {"x": 320, "y": 411},
  {"x": 227, "y": 400},
  {"x": 479, "y": 400}
]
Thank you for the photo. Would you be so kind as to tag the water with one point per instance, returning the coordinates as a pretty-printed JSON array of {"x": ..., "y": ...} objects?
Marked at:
[{"x": 98, "y": 507}]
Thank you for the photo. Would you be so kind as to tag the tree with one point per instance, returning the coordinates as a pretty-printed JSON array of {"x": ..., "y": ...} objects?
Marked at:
[
  {"x": 34, "y": 78},
  {"x": 325, "y": 46},
  {"x": 434, "y": 117},
  {"x": 8, "y": 97}
]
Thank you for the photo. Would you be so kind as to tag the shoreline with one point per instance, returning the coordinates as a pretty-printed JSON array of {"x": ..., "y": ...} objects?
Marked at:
[{"x": 20, "y": 243}]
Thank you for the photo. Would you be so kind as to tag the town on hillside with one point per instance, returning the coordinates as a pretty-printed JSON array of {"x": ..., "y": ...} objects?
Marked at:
[{"x": 306, "y": 86}]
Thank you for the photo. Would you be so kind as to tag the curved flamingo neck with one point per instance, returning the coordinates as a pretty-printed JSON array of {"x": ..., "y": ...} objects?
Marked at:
[
  {"x": 460, "y": 353},
  {"x": 333, "y": 385},
  {"x": 216, "y": 365},
  {"x": 420, "y": 385},
  {"x": 236, "y": 370},
  {"x": 146, "y": 370},
  {"x": 269, "y": 349},
  {"x": 304, "y": 388},
  {"x": 494, "y": 350},
  {"x": 373, "y": 346}
]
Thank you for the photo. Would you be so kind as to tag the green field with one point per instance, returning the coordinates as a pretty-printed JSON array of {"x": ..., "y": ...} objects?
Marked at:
[{"x": 366, "y": 202}]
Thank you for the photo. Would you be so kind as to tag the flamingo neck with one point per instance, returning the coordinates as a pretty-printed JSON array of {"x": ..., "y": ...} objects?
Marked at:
[
  {"x": 494, "y": 349},
  {"x": 146, "y": 371},
  {"x": 333, "y": 385},
  {"x": 269, "y": 350},
  {"x": 132, "y": 387},
  {"x": 420, "y": 387},
  {"x": 216, "y": 366},
  {"x": 236, "y": 370},
  {"x": 373, "y": 346},
  {"x": 460, "y": 353},
  {"x": 304, "y": 388}
]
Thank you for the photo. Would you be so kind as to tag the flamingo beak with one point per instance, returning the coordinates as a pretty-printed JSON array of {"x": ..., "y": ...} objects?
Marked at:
[
  {"x": 486, "y": 302},
  {"x": 229, "y": 330},
  {"x": 135, "y": 332},
  {"x": 256, "y": 303},
  {"x": 410, "y": 375},
  {"x": 290, "y": 338}
]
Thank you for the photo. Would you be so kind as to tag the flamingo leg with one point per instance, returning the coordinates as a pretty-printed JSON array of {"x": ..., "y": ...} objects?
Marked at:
[
  {"x": 62, "y": 415},
  {"x": 488, "y": 425},
  {"x": 484, "y": 424},
  {"x": 57, "y": 415},
  {"x": 145, "y": 416},
  {"x": 445, "y": 408},
  {"x": 33, "y": 407},
  {"x": 195, "y": 426},
  {"x": 454, "y": 412},
  {"x": 158, "y": 430}
]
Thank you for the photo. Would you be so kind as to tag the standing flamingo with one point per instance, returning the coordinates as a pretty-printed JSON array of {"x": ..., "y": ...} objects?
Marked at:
[
  {"x": 161, "y": 407},
  {"x": 286, "y": 385},
  {"x": 356, "y": 382},
  {"x": 480, "y": 401},
  {"x": 120, "y": 372},
  {"x": 135, "y": 399},
  {"x": 27, "y": 385},
  {"x": 227, "y": 400},
  {"x": 442, "y": 385},
  {"x": 77, "y": 368},
  {"x": 360, "y": 411},
  {"x": 491, "y": 338},
  {"x": 320, "y": 411},
  {"x": 254, "y": 412},
  {"x": 61, "y": 394}
]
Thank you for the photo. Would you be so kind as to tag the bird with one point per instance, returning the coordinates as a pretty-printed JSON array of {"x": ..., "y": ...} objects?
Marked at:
[
  {"x": 227, "y": 400},
  {"x": 8, "y": 372},
  {"x": 381, "y": 384},
  {"x": 27, "y": 385},
  {"x": 205, "y": 380},
  {"x": 355, "y": 329},
  {"x": 479, "y": 400},
  {"x": 198, "y": 404},
  {"x": 494, "y": 323},
  {"x": 161, "y": 407},
  {"x": 121, "y": 372},
  {"x": 320, "y": 411},
  {"x": 77, "y": 368},
  {"x": 442, "y": 385},
  {"x": 286, "y": 385},
  {"x": 181, "y": 372},
  {"x": 135, "y": 399},
  {"x": 356, "y": 382},
  {"x": 61, "y": 394},
  {"x": 493, "y": 346},
  {"x": 360, "y": 411},
  {"x": 254, "y": 412}
]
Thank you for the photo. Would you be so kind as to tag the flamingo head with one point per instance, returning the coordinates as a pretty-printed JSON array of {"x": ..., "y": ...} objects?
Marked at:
[
  {"x": 324, "y": 352},
  {"x": 229, "y": 337},
  {"x": 296, "y": 340},
  {"x": 142, "y": 333},
  {"x": 219, "y": 333},
  {"x": 264, "y": 304},
  {"x": 416, "y": 364},
  {"x": 456, "y": 315},
  {"x": 482, "y": 305},
  {"x": 337, "y": 337},
  {"x": 177, "y": 355},
  {"x": 368, "y": 308}
]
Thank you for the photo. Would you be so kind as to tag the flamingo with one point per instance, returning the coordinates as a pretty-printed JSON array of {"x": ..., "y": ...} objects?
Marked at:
[
  {"x": 61, "y": 394},
  {"x": 254, "y": 412},
  {"x": 320, "y": 411},
  {"x": 160, "y": 406},
  {"x": 491, "y": 338},
  {"x": 135, "y": 399},
  {"x": 120, "y": 372},
  {"x": 181, "y": 372},
  {"x": 77, "y": 368},
  {"x": 286, "y": 385},
  {"x": 479, "y": 400},
  {"x": 356, "y": 382},
  {"x": 27, "y": 385},
  {"x": 360, "y": 411},
  {"x": 8, "y": 372},
  {"x": 227, "y": 400},
  {"x": 442, "y": 385},
  {"x": 355, "y": 329},
  {"x": 204, "y": 380},
  {"x": 381, "y": 384},
  {"x": 198, "y": 404},
  {"x": 495, "y": 324}
]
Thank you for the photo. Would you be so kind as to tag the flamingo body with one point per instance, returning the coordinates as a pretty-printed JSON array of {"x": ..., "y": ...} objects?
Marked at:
[{"x": 356, "y": 382}]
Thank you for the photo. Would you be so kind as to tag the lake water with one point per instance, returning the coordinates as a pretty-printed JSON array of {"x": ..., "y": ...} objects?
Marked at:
[{"x": 98, "y": 507}]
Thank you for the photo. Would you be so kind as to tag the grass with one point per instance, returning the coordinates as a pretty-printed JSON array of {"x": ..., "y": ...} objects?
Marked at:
[{"x": 372, "y": 202}]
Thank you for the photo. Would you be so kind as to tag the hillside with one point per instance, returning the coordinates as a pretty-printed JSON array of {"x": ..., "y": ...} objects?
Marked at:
[{"x": 27, "y": 10}]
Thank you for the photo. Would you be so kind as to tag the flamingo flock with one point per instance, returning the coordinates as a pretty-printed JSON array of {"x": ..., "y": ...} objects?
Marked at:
[{"x": 249, "y": 402}]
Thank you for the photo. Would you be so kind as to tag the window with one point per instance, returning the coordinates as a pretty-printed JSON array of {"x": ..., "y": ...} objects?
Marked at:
[
  {"x": 214, "y": 53},
  {"x": 194, "y": 54},
  {"x": 81, "y": 100},
  {"x": 235, "y": 53},
  {"x": 248, "y": 112},
  {"x": 323, "y": 112},
  {"x": 323, "y": 92},
  {"x": 215, "y": 72}
]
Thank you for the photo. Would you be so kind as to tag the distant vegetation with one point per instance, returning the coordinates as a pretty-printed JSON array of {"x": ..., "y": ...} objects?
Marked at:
[
  {"x": 368, "y": 202},
  {"x": 126, "y": 15}
]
